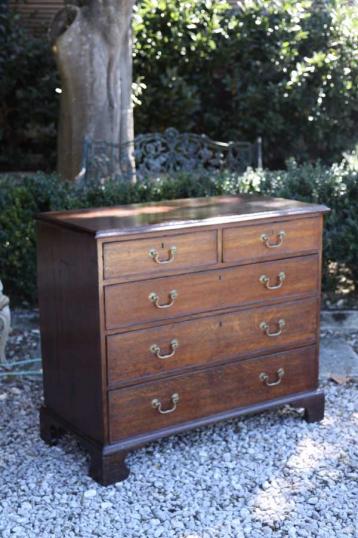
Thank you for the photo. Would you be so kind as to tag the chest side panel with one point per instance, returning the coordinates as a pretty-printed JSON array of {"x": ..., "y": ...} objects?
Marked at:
[{"x": 70, "y": 328}]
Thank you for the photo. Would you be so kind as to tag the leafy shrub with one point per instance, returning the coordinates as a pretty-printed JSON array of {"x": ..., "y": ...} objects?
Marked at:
[
  {"x": 21, "y": 199},
  {"x": 286, "y": 70}
]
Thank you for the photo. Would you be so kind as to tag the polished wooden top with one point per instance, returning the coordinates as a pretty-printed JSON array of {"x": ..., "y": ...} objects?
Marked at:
[{"x": 173, "y": 214}]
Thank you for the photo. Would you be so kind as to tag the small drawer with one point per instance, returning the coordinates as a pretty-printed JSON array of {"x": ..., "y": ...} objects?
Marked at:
[
  {"x": 159, "y": 254},
  {"x": 272, "y": 240},
  {"x": 141, "y": 354},
  {"x": 156, "y": 405},
  {"x": 162, "y": 299}
]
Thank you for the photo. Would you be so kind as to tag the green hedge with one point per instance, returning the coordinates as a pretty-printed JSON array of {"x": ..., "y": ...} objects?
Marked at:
[
  {"x": 286, "y": 70},
  {"x": 22, "y": 198}
]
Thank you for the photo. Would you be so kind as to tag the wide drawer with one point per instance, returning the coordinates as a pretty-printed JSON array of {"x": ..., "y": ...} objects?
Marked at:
[
  {"x": 171, "y": 297},
  {"x": 139, "y": 354},
  {"x": 272, "y": 240},
  {"x": 159, "y": 254},
  {"x": 183, "y": 398}
]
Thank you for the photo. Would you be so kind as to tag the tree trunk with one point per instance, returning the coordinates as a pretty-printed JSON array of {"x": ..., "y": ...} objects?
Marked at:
[{"x": 93, "y": 49}]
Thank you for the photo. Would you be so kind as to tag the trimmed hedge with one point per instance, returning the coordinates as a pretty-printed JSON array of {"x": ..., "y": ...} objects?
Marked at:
[{"x": 22, "y": 198}]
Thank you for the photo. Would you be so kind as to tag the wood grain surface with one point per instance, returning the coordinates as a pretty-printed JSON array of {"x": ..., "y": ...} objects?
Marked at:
[
  {"x": 178, "y": 214},
  {"x": 245, "y": 243},
  {"x": 128, "y": 304},
  {"x": 70, "y": 328},
  {"x": 133, "y": 257},
  {"x": 209, "y": 391},
  {"x": 208, "y": 340}
]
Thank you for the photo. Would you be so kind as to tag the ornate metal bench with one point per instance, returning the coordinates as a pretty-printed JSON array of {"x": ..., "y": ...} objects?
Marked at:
[{"x": 158, "y": 154}]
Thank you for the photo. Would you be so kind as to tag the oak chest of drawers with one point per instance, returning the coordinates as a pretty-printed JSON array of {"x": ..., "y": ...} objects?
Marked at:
[{"x": 157, "y": 318}]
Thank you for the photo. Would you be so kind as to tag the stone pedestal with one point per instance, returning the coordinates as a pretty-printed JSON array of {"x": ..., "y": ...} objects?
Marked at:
[{"x": 5, "y": 320}]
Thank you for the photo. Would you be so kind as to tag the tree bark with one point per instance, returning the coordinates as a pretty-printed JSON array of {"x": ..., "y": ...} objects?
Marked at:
[{"x": 93, "y": 49}]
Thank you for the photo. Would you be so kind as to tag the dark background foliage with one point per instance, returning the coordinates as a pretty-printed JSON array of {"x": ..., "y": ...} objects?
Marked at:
[
  {"x": 28, "y": 101},
  {"x": 336, "y": 186},
  {"x": 286, "y": 70}
]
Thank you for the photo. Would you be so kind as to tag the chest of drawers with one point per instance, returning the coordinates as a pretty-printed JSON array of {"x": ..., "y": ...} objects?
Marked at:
[{"x": 157, "y": 318}]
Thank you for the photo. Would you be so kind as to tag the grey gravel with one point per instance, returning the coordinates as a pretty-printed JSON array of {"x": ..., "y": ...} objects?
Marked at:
[
  {"x": 267, "y": 475},
  {"x": 24, "y": 340},
  {"x": 339, "y": 345}
]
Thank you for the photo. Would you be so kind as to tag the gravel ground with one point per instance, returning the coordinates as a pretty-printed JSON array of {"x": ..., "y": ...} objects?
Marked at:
[
  {"x": 268, "y": 475},
  {"x": 351, "y": 338}
]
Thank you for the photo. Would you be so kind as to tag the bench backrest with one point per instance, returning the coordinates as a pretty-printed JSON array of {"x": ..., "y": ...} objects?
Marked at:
[{"x": 167, "y": 153}]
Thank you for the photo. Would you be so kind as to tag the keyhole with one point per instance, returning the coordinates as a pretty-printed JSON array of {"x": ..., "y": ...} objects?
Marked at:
[
  {"x": 220, "y": 277},
  {"x": 162, "y": 245},
  {"x": 220, "y": 323}
]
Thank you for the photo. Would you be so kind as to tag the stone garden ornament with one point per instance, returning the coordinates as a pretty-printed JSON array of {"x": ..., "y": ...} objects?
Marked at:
[{"x": 5, "y": 320}]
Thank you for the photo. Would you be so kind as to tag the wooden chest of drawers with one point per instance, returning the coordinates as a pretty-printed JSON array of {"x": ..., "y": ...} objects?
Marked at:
[{"x": 157, "y": 318}]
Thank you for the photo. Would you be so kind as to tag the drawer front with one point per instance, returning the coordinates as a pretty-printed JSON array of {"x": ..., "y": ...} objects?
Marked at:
[
  {"x": 159, "y": 254},
  {"x": 273, "y": 240},
  {"x": 137, "y": 409},
  {"x": 204, "y": 341},
  {"x": 171, "y": 297}
]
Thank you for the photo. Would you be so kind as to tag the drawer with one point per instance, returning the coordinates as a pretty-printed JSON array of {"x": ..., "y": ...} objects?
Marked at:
[
  {"x": 166, "y": 298},
  {"x": 139, "y": 354},
  {"x": 184, "y": 398},
  {"x": 272, "y": 240},
  {"x": 159, "y": 254}
]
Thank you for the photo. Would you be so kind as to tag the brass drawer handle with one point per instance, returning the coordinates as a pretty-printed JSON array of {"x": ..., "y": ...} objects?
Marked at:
[
  {"x": 265, "y": 378},
  {"x": 155, "y": 349},
  {"x": 280, "y": 237},
  {"x": 265, "y": 280},
  {"x": 153, "y": 253},
  {"x": 157, "y": 404},
  {"x": 266, "y": 327},
  {"x": 154, "y": 298}
]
